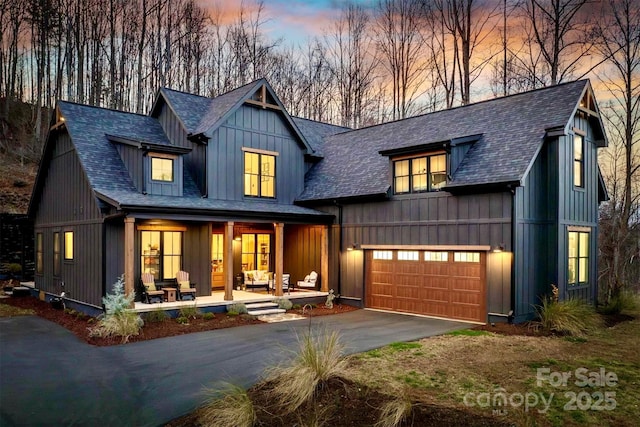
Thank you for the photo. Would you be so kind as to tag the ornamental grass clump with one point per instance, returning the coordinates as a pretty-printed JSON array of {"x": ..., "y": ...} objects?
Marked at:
[
  {"x": 570, "y": 317},
  {"x": 394, "y": 412},
  {"x": 230, "y": 406},
  {"x": 236, "y": 309},
  {"x": 118, "y": 320},
  {"x": 317, "y": 360}
]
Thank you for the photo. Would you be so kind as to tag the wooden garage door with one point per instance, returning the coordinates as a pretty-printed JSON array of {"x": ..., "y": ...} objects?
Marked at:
[{"x": 446, "y": 284}]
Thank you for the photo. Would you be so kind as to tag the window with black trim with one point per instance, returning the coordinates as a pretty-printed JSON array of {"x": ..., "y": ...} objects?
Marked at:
[
  {"x": 39, "y": 253},
  {"x": 578, "y": 160},
  {"x": 68, "y": 245},
  {"x": 259, "y": 175},
  {"x": 420, "y": 174},
  {"x": 256, "y": 251},
  {"x": 161, "y": 253},
  {"x": 56, "y": 253},
  {"x": 578, "y": 258},
  {"x": 161, "y": 169}
]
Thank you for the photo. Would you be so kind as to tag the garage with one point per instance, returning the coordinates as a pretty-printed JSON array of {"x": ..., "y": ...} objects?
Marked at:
[{"x": 448, "y": 284}]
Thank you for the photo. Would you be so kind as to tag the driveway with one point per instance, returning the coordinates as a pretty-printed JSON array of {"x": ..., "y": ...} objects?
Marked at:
[{"x": 50, "y": 378}]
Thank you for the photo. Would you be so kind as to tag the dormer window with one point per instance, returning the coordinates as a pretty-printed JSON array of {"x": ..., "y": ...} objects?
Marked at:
[
  {"x": 161, "y": 169},
  {"x": 420, "y": 174}
]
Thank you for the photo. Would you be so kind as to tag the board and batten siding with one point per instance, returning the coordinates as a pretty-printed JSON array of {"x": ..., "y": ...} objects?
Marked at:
[
  {"x": 253, "y": 128},
  {"x": 133, "y": 161},
  {"x": 67, "y": 203},
  {"x": 302, "y": 251},
  {"x": 426, "y": 219},
  {"x": 196, "y": 256}
]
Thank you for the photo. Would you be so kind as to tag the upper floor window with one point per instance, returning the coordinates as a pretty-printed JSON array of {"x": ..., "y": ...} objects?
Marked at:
[
  {"x": 578, "y": 260},
  {"x": 420, "y": 174},
  {"x": 161, "y": 169},
  {"x": 578, "y": 160},
  {"x": 259, "y": 174}
]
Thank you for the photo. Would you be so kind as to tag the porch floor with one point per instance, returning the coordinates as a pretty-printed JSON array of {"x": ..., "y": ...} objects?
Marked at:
[{"x": 217, "y": 299}]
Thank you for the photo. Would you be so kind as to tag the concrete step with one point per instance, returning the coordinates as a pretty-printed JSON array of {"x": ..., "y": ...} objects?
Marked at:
[
  {"x": 267, "y": 311},
  {"x": 256, "y": 305}
]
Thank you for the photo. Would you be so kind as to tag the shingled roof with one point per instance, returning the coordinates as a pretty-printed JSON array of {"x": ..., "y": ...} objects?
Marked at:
[
  {"x": 512, "y": 129},
  {"x": 315, "y": 132}
]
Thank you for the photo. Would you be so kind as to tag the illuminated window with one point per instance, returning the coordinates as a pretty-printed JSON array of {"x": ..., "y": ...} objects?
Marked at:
[
  {"x": 578, "y": 160},
  {"x": 39, "y": 253},
  {"x": 420, "y": 174},
  {"x": 466, "y": 257},
  {"x": 259, "y": 175},
  {"x": 217, "y": 253},
  {"x": 68, "y": 245},
  {"x": 408, "y": 255},
  {"x": 56, "y": 254},
  {"x": 382, "y": 255},
  {"x": 578, "y": 261},
  {"x": 436, "y": 256},
  {"x": 161, "y": 253},
  {"x": 161, "y": 169},
  {"x": 256, "y": 250}
]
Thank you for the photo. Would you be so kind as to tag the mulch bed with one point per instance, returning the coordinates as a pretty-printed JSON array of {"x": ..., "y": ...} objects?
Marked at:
[{"x": 80, "y": 324}]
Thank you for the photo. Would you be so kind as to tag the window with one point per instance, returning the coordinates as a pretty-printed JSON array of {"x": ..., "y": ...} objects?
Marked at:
[
  {"x": 217, "y": 253},
  {"x": 408, "y": 255},
  {"x": 56, "y": 254},
  {"x": 466, "y": 257},
  {"x": 382, "y": 255},
  {"x": 161, "y": 169},
  {"x": 68, "y": 245},
  {"x": 256, "y": 251},
  {"x": 420, "y": 174},
  {"x": 578, "y": 262},
  {"x": 259, "y": 175},
  {"x": 161, "y": 253},
  {"x": 39, "y": 253},
  {"x": 578, "y": 161},
  {"x": 436, "y": 256}
]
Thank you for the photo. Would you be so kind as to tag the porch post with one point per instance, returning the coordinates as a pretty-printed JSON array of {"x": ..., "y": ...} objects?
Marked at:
[
  {"x": 279, "y": 229},
  {"x": 129, "y": 239},
  {"x": 324, "y": 259},
  {"x": 228, "y": 261}
]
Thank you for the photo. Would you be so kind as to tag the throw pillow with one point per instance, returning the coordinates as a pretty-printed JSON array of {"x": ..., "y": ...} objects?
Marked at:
[
  {"x": 185, "y": 285},
  {"x": 250, "y": 277},
  {"x": 150, "y": 286}
]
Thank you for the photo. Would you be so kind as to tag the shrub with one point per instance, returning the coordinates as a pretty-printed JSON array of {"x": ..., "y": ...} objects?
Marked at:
[
  {"x": 182, "y": 320},
  {"x": 626, "y": 300},
  {"x": 118, "y": 320},
  {"x": 229, "y": 407},
  {"x": 571, "y": 317},
  {"x": 208, "y": 316},
  {"x": 157, "y": 315},
  {"x": 318, "y": 359},
  {"x": 283, "y": 303},
  {"x": 236, "y": 309},
  {"x": 190, "y": 312}
]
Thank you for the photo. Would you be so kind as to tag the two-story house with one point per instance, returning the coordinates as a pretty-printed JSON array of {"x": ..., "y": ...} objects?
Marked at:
[{"x": 469, "y": 213}]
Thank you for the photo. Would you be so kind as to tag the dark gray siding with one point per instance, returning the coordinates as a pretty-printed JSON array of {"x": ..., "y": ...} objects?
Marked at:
[
  {"x": 132, "y": 159},
  {"x": 425, "y": 219},
  {"x": 302, "y": 246},
  {"x": 114, "y": 256},
  {"x": 68, "y": 204},
  {"x": 535, "y": 262},
  {"x": 197, "y": 256},
  {"x": 256, "y": 128}
]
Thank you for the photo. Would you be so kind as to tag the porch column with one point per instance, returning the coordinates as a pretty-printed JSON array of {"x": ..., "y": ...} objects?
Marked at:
[
  {"x": 129, "y": 239},
  {"x": 279, "y": 229},
  {"x": 324, "y": 259},
  {"x": 228, "y": 261}
]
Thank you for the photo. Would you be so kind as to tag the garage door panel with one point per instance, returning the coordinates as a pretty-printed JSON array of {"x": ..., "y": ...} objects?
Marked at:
[{"x": 436, "y": 288}]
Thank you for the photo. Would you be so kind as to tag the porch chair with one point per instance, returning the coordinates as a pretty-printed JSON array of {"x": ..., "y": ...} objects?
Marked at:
[
  {"x": 150, "y": 294},
  {"x": 285, "y": 284},
  {"x": 309, "y": 281},
  {"x": 185, "y": 291}
]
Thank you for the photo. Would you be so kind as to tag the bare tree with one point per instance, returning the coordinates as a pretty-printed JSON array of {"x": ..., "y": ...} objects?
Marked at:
[{"x": 618, "y": 31}]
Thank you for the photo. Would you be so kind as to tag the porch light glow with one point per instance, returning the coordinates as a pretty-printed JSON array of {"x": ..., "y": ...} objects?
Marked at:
[{"x": 498, "y": 249}]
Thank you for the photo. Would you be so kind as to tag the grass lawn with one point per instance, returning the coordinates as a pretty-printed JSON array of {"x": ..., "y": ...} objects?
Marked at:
[{"x": 601, "y": 373}]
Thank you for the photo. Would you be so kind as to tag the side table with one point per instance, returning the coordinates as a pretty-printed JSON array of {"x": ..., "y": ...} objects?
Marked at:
[{"x": 169, "y": 294}]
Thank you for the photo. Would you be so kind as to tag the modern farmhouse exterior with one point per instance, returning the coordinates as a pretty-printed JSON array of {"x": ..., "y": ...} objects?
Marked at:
[{"x": 469, "y": 213}]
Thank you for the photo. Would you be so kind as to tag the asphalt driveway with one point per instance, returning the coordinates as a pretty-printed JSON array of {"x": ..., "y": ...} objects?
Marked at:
[{"x": 50, "y": 378}]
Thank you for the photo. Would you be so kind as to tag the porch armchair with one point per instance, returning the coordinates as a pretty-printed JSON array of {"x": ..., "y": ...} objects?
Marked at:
[
  {"x": 285, "y": 284},
  {"x": 309, "y": 281},
  {"x": 185, "y": 291},
  {"x": 150, "y": 292}
]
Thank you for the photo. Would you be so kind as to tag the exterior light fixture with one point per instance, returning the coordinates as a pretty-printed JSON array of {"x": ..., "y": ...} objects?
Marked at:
[
  {"x": 498, "y": 249},
  {"x": 352, "y": 247}
]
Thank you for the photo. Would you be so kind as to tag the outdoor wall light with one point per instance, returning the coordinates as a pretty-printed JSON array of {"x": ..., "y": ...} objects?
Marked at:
[
  {"x": 352, "y": 247},
  {"x": 498, "y": 249}
]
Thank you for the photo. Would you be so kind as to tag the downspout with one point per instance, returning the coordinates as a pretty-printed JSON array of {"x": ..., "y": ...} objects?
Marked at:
[
  {"x": 512, "y": 312},
  {"x": 335, "y": 202}
]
